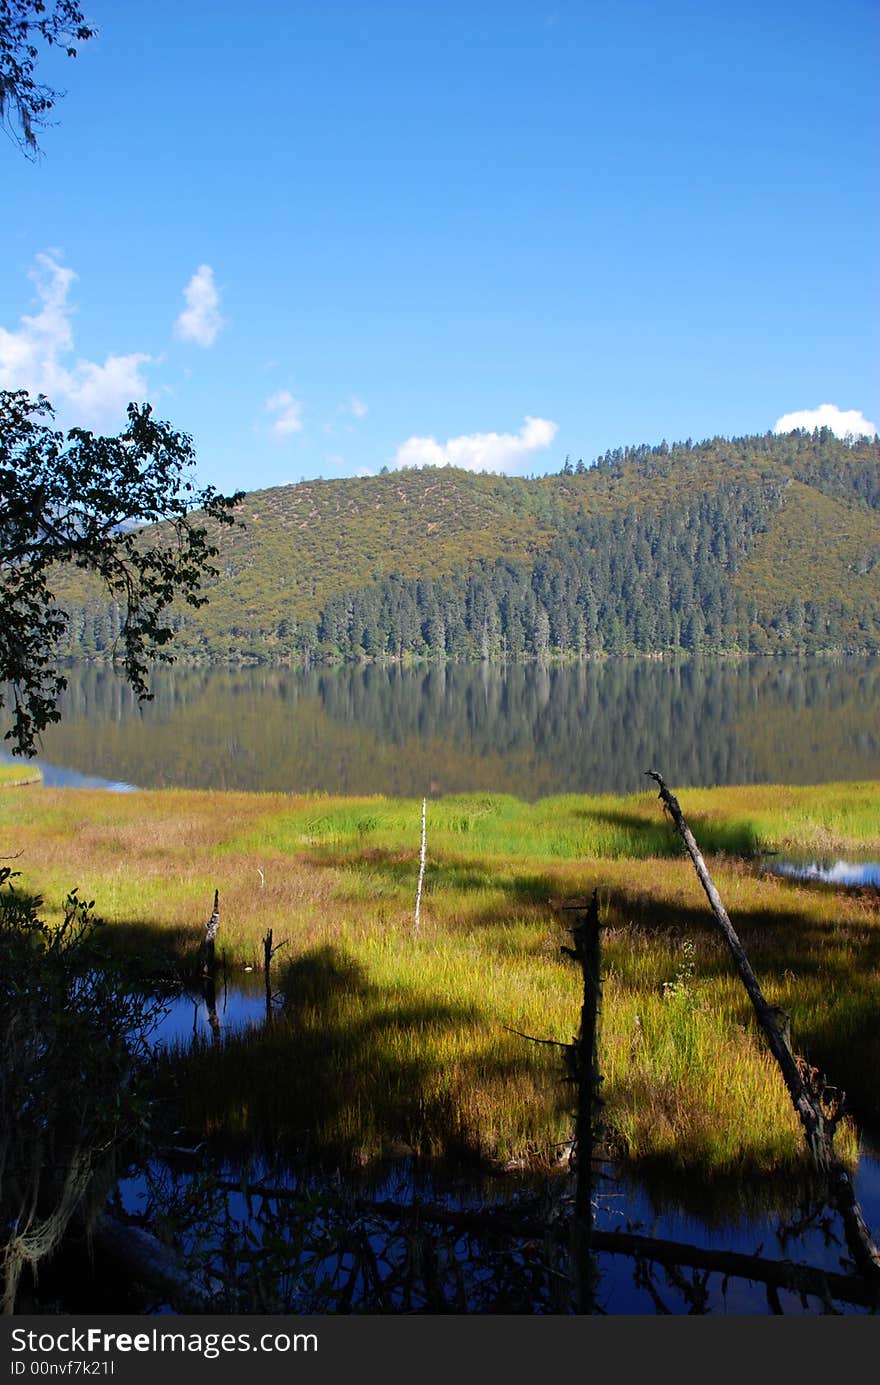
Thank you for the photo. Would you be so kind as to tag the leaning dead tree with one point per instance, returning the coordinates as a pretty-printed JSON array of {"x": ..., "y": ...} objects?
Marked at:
[{"x": 818, "y": 1106}]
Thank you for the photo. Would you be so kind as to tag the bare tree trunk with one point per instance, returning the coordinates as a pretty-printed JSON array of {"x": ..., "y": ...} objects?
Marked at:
[
  {"x": 268, "y": 953},
  {"x": 582, "y": 1057},
  {"x": 209, "y": 985},
  {"x": 421, "y": 868},
  {"x": 267, "y": 969}
]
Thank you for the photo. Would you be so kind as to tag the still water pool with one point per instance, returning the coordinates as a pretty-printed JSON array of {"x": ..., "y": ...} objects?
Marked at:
[{"x": 409, "y": 1235}]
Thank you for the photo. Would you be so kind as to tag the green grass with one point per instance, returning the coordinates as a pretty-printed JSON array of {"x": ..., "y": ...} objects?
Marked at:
[
  {"x": 389, "y": 1039},
  {"x": 738, "y": 821},
  {"x": 13, "y": 776}
]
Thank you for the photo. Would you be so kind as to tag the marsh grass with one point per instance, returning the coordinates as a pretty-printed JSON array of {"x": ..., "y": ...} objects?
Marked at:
[
  {"x": 390, "y": 1040},
  {"x": 16, "y": 775},
  {"x": 358, "y": 1066}
]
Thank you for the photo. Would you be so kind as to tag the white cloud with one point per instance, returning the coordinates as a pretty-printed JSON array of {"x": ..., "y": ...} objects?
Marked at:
[
  {"x": 364, "y": 471},
  {"x": 103, "y": 391},
  {"x": 289, "y": 411},
  {"x": 200, "y": 320},
  {"x": 356, "y": 407},
  {"x": 842, "y": 422},
  {"x": 36, "y": 355},
  {"x": 479, "y": 451}
]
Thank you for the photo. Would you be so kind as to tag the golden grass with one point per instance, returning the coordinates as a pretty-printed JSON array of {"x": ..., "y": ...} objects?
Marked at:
[{"x": 390, "y": 1038}]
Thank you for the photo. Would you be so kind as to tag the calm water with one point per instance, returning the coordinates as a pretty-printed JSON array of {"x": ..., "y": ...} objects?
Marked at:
[
  {"x": 828, "y": 872},
  {"x": 225, "y": 1212},
  {"x": 529, "y": 731}
]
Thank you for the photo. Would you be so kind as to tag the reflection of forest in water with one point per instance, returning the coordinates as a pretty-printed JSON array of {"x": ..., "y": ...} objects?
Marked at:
[{"x": 529, "y": 730}]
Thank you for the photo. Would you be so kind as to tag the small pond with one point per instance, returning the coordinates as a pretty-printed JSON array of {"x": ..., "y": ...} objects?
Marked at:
[
  {"x": 830, "y": 872},
  {"x": 277, "y": 1238},
  {"x": 403, "y": 1238},
  {"x": 237, "y": 1004}
]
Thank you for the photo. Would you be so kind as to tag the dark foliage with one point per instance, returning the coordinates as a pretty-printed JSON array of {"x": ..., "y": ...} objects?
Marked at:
[
  {"x": 25, "y": 103},
  {"x": 81, "y": 501},
  {"x": 72, "y": 1050}
]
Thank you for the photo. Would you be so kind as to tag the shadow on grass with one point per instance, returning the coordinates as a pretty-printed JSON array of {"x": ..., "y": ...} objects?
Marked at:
[
  {"x": 656, "y": 836},
  {"x": 825, "y": 973},
  {"x": 458, "y": 875},
  {"x": 349, "y": 1071},
  {"x": 350, "y": 1068},
  {"x": 161, "y": 950}
]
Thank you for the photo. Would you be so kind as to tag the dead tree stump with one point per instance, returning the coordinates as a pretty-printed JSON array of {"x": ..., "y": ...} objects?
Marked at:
[
  {"x": 209, "y": 959},
  {"x": 582, "y": 1060}
]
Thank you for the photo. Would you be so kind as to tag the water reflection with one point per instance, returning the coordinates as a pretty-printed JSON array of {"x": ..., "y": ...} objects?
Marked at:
[
  {"x": 200, "y": 1014},
  {"x": 527, "y": 730},
  {"x": 258, "y": 1234},
  {"x": 408, "y": 1237},
  {"x": 58, "y": 777},
  {"x": 829, "y": 872}
]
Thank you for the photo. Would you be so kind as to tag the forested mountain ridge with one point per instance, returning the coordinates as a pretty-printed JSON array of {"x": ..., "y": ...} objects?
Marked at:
[{"x": 758, "y": 544}]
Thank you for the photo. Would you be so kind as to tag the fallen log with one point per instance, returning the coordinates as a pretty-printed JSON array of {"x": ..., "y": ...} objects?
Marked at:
[
  {"x": 779, "y": 1274},
  {"x": 149, "y": 1262},
  {"x": 826, "y": 1285}
]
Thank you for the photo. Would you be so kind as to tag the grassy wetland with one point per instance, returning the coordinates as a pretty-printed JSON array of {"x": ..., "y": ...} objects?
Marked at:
[{"x": 391, "y": 1039}]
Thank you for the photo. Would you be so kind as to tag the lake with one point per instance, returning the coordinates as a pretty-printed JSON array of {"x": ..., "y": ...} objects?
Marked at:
[{"x": 528, "y": 730}]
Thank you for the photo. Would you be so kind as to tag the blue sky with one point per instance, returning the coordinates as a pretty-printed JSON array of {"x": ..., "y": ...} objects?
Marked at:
[{"x": 326, "y": 237}]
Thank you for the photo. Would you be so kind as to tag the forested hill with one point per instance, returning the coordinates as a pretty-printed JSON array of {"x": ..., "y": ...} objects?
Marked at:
[{"x": 759, "y": 544}]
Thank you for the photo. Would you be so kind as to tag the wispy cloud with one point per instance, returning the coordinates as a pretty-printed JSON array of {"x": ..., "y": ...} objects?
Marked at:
[
  {"x": 39, "y": 356},
  {"x": 200, "y": 320},
  {"x": 288, "y": 411},
  {"x": 842, "y": 422},
  {"x": 480, "y": 451},
  {"x": 356, "y": 407}
]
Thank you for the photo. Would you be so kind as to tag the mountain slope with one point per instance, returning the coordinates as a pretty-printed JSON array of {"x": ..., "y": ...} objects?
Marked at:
[
  {"x": 817, "y": 549},
  {"x": 760, "y": 543}
]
